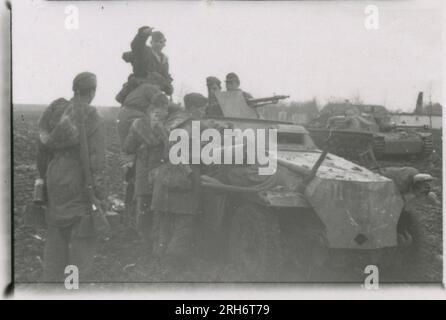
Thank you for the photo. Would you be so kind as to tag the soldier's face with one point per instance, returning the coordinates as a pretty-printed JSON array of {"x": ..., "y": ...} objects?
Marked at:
[
  {"x": 422, "y": 188},
  {"x": 214, "y": 88},
  {"x": 158, "y": 115},
  {"x": 232, "y": 85},
  {"x": 92, "y": 95},
  {"x": 158, "y": 45}
]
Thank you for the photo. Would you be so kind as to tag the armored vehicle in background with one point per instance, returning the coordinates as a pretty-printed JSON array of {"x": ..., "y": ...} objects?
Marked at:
[
  {"x": 315, "y": 208},
  {"x": 361, "y": 127}
]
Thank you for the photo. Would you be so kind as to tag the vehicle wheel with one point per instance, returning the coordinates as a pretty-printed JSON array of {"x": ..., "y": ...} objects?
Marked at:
[
  {"x": 254, "y": 243},
  {"x": 428, "y": 146}
]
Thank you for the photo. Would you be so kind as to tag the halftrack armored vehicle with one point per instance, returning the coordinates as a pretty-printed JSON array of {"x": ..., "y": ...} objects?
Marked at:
[{"x": 315, "y": 208}]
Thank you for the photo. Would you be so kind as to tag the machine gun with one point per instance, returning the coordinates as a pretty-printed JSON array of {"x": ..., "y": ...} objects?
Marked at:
[{"x": 255, "y": 103}]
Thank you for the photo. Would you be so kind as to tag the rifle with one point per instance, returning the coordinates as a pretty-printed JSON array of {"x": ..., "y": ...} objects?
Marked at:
[
  {"x": 255, "y": 103},
  {"x": 100, "y": 222}
]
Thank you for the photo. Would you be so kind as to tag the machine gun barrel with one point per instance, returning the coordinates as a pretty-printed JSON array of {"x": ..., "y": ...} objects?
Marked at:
[{"x": 268, "y": 100}]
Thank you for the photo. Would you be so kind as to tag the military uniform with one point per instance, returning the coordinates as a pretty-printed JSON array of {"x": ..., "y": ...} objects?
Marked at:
[
  {"x": 402, "y": 176},
  {"x": 175, "y": 204},
  {"x": 148, "y": 66},
  {"x": 67, "y": 197},
  {"x": 230, "y": 77},
  {"x": 213, "y": 108},
  {"x": 145, "y": 60},
  {"x": 143, "y": 141},
  {"x": 135, "y": 106}
]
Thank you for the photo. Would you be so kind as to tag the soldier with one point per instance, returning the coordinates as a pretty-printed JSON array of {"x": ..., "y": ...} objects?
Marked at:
[
  {"x": 147, "y": 61},
  {"x": 66, "y": 244},
  {"x": 213, "y": 109},
  {"x": 411, "y": 183},
  {"x": 233, "y": 84},
  {"x": 213, "y": 84},
  {"x": 175, "y": 203},
  {"x": 147, "y": 144},
  {"x": 134, "y": 107},
  {"x": 195, "y": 104}
]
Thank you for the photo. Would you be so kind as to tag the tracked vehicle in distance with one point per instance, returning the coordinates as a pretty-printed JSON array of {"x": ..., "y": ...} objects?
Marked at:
[{"x": 361, "y": 127}]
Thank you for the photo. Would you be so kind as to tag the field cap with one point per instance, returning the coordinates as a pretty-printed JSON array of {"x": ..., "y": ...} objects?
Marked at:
[
  {"x": 84, "y": 81},
  {"x": 231, "y": 77},
  {"x": 422, "y": 177},
  {"x": 211, "y": 80},
  {"x": 194, "y": 100}
]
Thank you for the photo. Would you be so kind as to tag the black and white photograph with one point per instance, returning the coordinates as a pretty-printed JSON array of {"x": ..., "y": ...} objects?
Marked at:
[{"x": 223, "y": 143}]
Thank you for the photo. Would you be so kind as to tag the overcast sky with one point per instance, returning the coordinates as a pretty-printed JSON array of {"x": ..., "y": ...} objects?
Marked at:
[{"x": 304, "y": 49}]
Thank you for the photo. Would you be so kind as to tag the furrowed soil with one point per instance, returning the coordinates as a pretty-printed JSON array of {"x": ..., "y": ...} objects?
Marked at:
[{"x": 124, "y": 258}]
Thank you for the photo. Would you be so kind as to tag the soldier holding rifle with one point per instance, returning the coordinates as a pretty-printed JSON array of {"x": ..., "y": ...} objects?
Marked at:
[{"x": 73, "y": 200}]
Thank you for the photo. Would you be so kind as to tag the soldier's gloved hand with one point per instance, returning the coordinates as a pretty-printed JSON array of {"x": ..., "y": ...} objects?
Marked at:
[{"x": 433, "y": 198}]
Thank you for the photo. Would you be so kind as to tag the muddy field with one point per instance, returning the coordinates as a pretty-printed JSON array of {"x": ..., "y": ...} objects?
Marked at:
[{"x": 122, "y": 258}]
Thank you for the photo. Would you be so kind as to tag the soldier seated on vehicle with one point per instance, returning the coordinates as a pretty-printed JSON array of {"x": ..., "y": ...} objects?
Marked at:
[
  {"x": 233, "y": 84},
  {"x": 213, "y": 108},
  {"x": 147, "y": 61},
  {"x": 195, "y": 104}
]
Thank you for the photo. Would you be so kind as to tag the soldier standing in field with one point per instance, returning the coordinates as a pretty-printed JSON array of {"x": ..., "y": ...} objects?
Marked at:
[
  {"x": 175, "y": 203},
  {"x": 147, "y": 61},
  {"x": 134, "y": 107},
  {"x": 68, "y": 205},
  {"x": 147, "y": 144}
]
